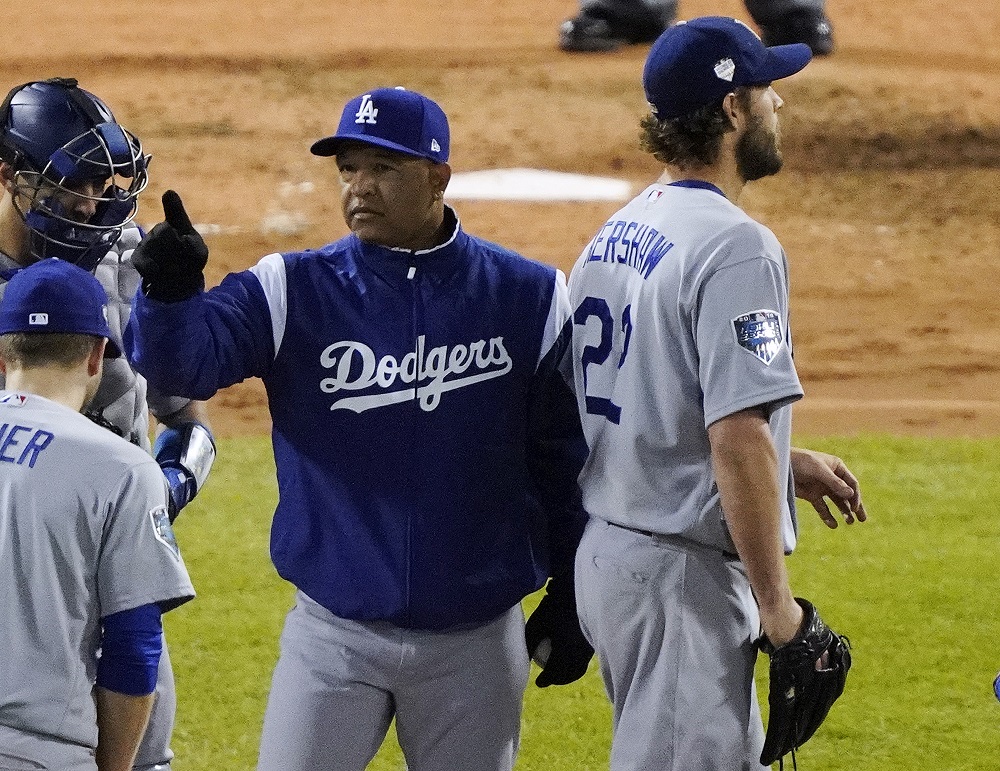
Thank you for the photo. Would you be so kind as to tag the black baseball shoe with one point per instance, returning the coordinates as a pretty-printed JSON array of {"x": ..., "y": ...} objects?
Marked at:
[
  {"x": 807, "y": 27},
  {"x": 589, "y": 33}
]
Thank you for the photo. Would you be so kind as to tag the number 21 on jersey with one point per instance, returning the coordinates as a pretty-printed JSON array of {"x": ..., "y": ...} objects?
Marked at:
[{"x": 598, "y": 355}]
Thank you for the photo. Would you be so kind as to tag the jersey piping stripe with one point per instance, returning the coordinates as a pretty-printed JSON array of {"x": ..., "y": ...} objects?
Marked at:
[{"x": 270, "y": 271}]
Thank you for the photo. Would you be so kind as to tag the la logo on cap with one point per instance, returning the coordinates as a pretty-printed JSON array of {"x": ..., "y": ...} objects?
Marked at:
[
  {"x": 38, "y": 319},
  {"x": 367, "y": 112}
]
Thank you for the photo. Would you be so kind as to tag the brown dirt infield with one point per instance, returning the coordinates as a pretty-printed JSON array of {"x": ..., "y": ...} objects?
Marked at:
[{"x": 887, "y": 207}]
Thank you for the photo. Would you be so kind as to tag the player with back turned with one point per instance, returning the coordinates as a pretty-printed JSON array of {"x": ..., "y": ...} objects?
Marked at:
[
  {"x": 87, "y": 557},
  {"x": 71, "y": 177},
  {"x": 685, "y": 379},
  {"x": 427, "y": 448}
]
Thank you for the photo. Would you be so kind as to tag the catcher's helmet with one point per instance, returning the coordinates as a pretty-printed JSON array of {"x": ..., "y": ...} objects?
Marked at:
[{"x": 60, "y": 139}]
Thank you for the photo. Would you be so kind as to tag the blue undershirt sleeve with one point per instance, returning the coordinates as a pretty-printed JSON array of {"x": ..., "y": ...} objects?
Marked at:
[{"x": 130, "y": 650}]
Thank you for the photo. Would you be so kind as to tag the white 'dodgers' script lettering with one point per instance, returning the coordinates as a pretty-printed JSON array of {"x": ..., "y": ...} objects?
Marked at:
[{"x": 356, "y": 368}]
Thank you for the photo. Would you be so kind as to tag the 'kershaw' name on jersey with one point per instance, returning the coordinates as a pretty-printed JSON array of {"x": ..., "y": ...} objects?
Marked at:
[
  {"x": 635, "y": 244},
  {"x": 357, "y": 368}
]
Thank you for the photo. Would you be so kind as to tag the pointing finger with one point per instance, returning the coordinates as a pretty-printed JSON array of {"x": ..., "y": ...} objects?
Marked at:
[{"x": 173, "y": 211}]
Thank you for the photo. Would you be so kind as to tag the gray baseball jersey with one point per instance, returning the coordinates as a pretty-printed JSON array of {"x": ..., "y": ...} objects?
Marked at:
[
  {"x": 84, "y": 533},
  {"x": 124, "y": 401},
  {"x": 680, "y": 319}
]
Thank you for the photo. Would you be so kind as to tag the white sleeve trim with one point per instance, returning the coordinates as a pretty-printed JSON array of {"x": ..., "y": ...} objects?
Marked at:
[
  {"x": 559, "y": 312},
  {"x": 270, "y": 271}
]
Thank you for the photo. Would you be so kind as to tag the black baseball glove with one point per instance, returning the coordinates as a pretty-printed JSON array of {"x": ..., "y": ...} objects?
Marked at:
[
  {"x": 171, "y": 258},
  {"x": 555, "y": 620},
  {"x": 807, "y": 675}
]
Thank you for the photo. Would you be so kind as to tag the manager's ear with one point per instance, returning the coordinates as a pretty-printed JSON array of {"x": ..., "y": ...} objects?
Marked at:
[{"x": 440, "y": 174}]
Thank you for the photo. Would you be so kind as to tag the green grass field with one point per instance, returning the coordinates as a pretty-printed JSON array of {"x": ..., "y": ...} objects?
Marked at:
[{"x": 915, "y": 589}]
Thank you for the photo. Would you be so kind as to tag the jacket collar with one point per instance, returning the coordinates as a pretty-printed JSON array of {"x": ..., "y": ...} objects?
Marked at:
[{"x": 441, "y": 260}]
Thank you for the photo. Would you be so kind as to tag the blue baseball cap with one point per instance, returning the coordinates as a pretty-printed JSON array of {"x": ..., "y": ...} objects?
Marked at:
[
  {"x": 54, "y": 295},
  {"x": 394, "y": 118},
  {"x": 696, "y": 63}
]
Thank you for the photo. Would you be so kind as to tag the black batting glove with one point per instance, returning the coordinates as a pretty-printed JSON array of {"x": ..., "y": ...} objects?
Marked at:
[
  {"x": 171, "y": 258},
  {"x": 555, "y": 619}
]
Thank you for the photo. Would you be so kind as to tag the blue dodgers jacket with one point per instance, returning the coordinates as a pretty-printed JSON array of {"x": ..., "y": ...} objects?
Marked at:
[{"x": 427, "y": 444}]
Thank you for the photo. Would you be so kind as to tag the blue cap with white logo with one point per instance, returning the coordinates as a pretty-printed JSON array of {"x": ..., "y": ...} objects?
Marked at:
[
  {"x": 696, "y": 63},
  {"x": 395, "y": 119},
  {"x": 54, "y": 295}
]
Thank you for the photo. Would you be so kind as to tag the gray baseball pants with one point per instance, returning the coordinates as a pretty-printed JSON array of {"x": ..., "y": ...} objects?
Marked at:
[
  {"x": 338, "y": 684},
  {"x": 673, "y": 624}
]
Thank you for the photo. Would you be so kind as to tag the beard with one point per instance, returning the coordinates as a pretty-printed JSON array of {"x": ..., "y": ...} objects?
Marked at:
[{"x": 757, "y": 152}]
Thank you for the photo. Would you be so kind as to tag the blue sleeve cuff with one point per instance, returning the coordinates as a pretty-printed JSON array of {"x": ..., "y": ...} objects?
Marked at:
[{"x": 131, "y": 644}]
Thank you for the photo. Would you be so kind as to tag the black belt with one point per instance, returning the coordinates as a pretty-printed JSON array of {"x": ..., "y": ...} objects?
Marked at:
[
  {"x": 650, "y": 533},
  {"x": 673, "y": 537}
]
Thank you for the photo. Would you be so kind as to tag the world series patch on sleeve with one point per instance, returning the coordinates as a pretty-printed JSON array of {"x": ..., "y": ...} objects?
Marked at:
[{"x": 760, "y": 333}]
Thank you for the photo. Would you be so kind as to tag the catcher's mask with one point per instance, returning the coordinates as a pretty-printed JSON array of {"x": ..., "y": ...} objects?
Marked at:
[{"x": 65, "y": 147}]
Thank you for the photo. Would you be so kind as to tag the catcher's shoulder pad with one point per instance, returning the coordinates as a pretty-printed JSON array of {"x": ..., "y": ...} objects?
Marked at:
[{"x": 803, "y": 685}]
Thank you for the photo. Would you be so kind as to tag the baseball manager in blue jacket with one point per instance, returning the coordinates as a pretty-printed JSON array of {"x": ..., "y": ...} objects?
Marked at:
[{"x": 427, "y": 449}]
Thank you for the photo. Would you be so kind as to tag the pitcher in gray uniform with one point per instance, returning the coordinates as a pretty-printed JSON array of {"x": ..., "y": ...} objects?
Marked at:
[
  {"x": 71, "y": 177},
  {"x": 685, "y": 379},
  {"x": 88, "y": 560}
]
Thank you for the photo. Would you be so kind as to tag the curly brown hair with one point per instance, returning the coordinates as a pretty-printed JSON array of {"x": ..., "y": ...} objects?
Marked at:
[{"x": 694, "y": 139}]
